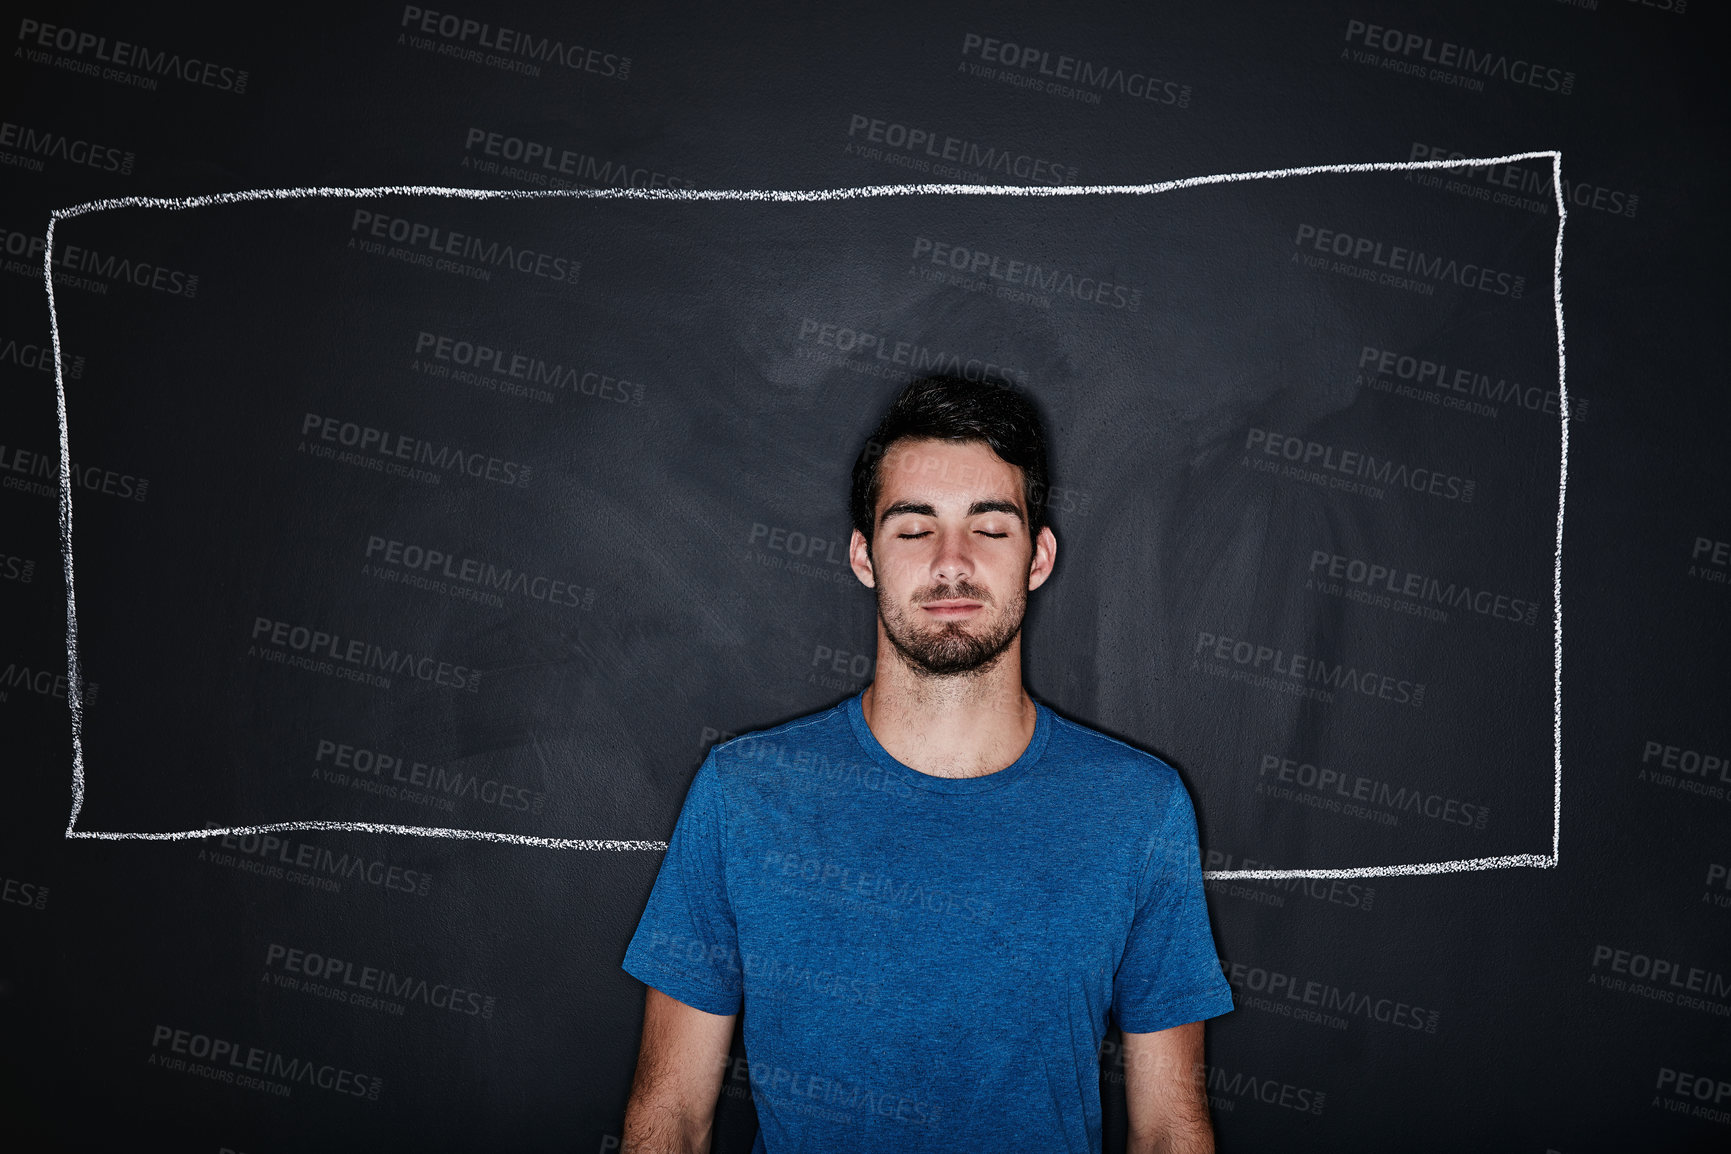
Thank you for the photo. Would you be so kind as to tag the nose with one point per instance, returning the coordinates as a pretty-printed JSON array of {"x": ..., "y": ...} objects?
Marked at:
[{"x": 953, "y": 562}]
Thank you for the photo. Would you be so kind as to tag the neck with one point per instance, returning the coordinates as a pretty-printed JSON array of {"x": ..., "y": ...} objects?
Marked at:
[{"x": 965, "y": 725}]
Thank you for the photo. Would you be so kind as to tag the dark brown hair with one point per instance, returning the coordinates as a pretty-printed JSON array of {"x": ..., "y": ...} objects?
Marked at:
[{"x": 953, "y": 409}]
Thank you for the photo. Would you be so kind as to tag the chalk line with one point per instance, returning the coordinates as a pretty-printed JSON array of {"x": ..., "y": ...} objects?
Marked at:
[
  {"x": 1508, "y": 861},
  {"x": 372, "y": 827},
  {"x": 75, "y": 694},
  {"x": 785, "y": 196},
  {"x": 1562, "y": 496}
]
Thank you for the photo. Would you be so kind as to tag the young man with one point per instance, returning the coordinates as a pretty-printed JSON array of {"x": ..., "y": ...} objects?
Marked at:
[{"x": 928, "y": 898}]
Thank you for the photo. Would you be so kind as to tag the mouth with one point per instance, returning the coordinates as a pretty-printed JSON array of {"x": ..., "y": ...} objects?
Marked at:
[{"x": 952, "y": 608}]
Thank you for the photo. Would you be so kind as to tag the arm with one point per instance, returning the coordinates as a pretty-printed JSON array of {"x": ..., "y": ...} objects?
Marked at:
[
  {"x": 1165, "y": 1092},
  {"x": 678, "y": 1080}
]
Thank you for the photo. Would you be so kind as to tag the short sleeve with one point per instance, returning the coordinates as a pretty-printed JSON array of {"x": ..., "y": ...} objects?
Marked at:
[
  {"x": 687, "y": 943},
  {"x": 1170, "y": 974}
]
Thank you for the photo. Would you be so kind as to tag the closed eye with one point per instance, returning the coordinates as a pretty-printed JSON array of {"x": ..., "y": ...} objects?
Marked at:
[{"x": 927, "y": 533}]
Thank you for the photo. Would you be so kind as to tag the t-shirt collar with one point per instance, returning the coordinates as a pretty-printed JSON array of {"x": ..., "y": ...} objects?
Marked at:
[{"x": 869, "y": 742}]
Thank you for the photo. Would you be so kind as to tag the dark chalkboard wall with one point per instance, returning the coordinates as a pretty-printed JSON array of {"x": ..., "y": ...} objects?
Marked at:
[{"x": 490, "y": 515}]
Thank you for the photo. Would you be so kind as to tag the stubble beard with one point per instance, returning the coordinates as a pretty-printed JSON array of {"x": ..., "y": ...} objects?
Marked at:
[{"x": 949, "y": 650}]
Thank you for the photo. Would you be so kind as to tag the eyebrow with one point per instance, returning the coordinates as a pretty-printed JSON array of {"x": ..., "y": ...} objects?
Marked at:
[{"x": 974, "y": 510}]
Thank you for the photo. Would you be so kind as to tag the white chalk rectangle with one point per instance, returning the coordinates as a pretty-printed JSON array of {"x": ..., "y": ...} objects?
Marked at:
[{"x": 74, "y": 689}]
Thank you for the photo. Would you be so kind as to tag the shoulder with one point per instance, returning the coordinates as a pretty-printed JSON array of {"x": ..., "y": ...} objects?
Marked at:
[
  {"x": 1112, "y": 761},
  {"x": 791, "y": 741}
]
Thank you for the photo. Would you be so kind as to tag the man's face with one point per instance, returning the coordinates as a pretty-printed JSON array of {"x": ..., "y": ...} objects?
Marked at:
[{"x": 951, "y": 559}]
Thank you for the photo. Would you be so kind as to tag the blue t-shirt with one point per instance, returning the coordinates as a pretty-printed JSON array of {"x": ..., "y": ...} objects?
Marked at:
[{"x": 926, "y": 963}]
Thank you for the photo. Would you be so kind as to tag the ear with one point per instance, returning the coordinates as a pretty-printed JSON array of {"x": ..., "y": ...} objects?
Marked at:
[
  {"x": 859, "y": 558},
  {"x": 1045, "y": 556}
]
